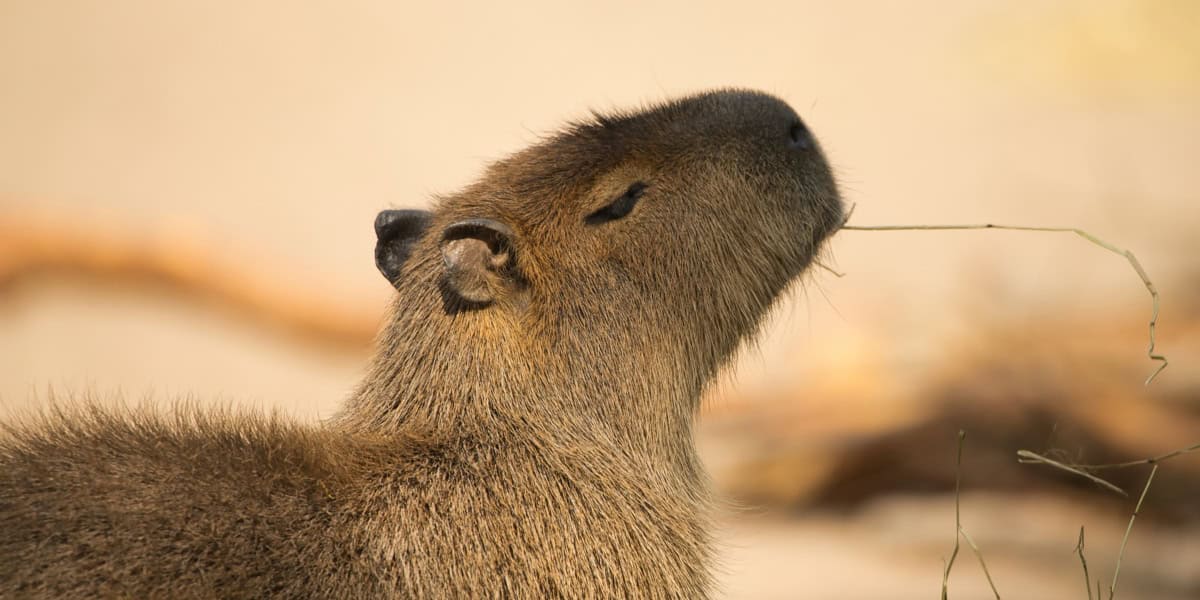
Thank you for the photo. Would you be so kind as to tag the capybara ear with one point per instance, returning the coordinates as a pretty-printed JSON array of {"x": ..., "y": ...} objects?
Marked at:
[
  {"x": 395, "y": 233},
  {"x": 478, "y": 254}
]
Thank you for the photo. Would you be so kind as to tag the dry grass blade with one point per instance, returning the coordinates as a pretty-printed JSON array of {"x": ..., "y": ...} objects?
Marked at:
[
  {"x": 1025, "y": 456},
  {"x": 982, "y": 563},
  {"x": 1112, "y": 588},
  {"x": 957, "y": 517},
  {"x": 1129, "y": 256},
  {"x": 1087, "y": 579},
  {"x": 960, "y": 532},
  {"x": 1145, "y": 461}
]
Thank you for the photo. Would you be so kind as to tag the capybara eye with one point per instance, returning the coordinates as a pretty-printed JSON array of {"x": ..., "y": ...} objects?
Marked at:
[{"x": 620, "y": 207}]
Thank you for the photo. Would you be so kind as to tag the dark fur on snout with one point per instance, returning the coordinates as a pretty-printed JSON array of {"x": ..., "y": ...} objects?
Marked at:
[{"x": 525, "y": 428}]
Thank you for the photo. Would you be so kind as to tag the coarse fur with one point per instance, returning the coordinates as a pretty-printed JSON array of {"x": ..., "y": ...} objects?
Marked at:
[{"x": 527, "y": 437}]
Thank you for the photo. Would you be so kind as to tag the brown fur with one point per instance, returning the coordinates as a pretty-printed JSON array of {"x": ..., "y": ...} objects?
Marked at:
[{"x": 536, "y": 446}]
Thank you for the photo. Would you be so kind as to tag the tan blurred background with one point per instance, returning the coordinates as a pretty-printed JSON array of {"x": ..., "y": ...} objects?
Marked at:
[{"x": 187, "y": 191}]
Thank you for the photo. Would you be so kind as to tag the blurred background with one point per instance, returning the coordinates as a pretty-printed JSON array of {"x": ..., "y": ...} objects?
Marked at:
[{"x": 187, "y": 192}]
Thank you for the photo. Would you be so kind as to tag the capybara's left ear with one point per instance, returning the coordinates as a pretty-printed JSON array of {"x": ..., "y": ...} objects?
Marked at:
[
  {"x": 478, "y": 256},
  {"x": 395, "y": 233}
]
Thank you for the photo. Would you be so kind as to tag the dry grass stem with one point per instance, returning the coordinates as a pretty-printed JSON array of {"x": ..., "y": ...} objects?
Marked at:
[
  {"x": 1129, "y": 256},
  {"x": 949, "y": 564},
  {"x": 1112, "y": 588},
  {"x": 1087, "y": 579},
  {"x": 1145, "y": 461},
  {"x": 982, "y": 563},
  {"x": 959, "y": 532},
  {"x": 1027, "y": 457}
]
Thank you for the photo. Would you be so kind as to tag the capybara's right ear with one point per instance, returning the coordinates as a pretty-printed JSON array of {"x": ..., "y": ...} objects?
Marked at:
[
  {"x": 478, "y": 256},
  {"x": 395, "y": 233}
]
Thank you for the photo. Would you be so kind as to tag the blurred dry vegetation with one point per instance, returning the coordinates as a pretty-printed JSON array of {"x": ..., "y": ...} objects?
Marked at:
[{"x": 836, "y": 446}]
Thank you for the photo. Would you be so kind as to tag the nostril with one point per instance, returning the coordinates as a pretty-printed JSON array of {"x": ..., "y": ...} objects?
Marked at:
[{"x": 800, "y": 138}]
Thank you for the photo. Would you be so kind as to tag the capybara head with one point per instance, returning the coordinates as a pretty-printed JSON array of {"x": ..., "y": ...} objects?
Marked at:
[{"x": 631, "y": 252}]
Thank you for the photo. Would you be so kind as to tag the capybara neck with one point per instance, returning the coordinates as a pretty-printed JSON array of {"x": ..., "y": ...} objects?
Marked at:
[{"x": 463, "y": 372}]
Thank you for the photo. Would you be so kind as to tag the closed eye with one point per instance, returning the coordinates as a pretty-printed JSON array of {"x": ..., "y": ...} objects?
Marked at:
[{"x": 618, "y": 208}]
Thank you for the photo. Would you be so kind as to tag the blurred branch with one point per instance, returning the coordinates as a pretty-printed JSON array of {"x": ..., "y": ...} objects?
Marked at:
[{"x": 30, "y": 250}]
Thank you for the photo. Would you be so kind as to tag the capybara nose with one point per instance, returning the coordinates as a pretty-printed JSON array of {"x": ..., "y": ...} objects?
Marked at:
[{"x": 799, "y": 137}]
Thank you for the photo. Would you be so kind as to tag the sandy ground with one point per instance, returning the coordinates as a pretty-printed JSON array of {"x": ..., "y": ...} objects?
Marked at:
[{"x": 894, "y": 548}]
